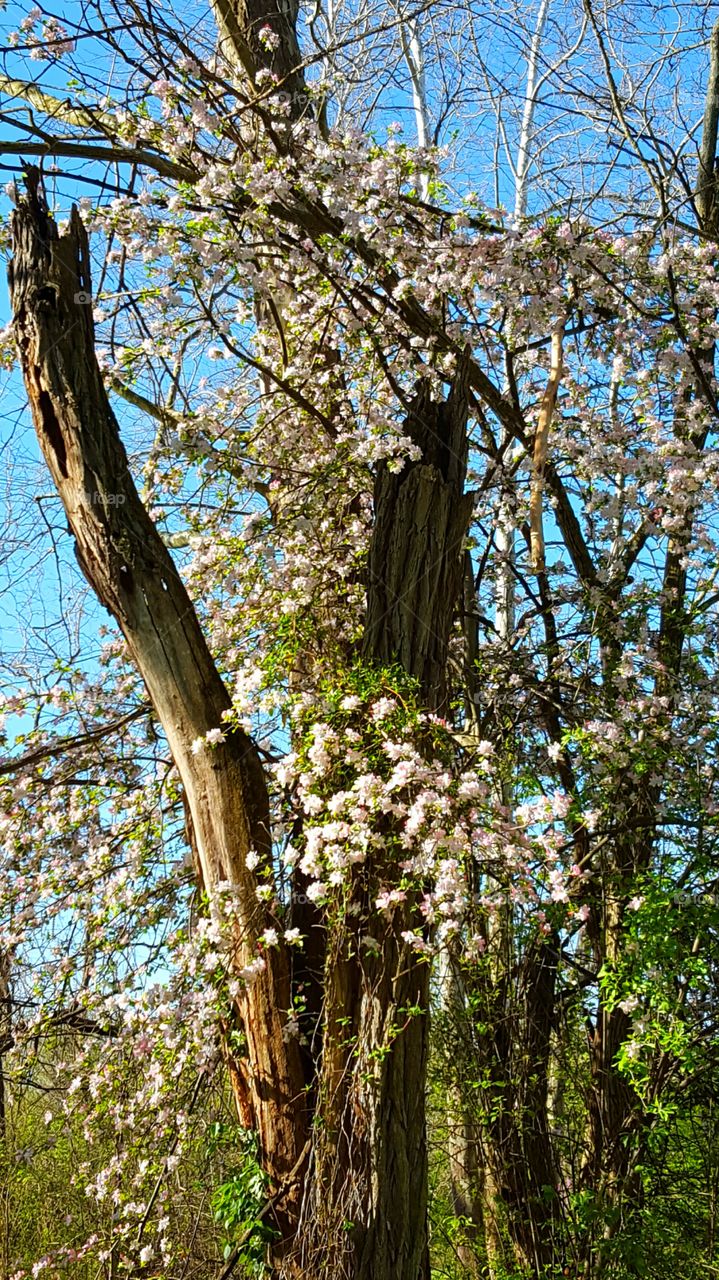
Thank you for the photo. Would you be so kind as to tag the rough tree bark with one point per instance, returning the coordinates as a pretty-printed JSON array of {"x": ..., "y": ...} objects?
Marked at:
[
  {"x": 372, "y": 1148},
  {"x": 133, "y": 575},
  {"x": 416, "y": 557}
]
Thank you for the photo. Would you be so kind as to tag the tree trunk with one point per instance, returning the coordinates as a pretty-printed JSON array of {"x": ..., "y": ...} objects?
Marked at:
[
  {"x": 133, "y": 575},
  {"x": 242, "y": 25},
  {"x": 367, "y": 1210},
  {"x": 5, "y": 1032},
  {"x": 516, "y": 1014},
  {"x": 416, "y": 559},
  {"x": 464, "y": 1135}
]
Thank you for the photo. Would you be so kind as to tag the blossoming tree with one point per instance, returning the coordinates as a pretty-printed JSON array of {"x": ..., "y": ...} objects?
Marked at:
[{"x": 345, "y": 369}]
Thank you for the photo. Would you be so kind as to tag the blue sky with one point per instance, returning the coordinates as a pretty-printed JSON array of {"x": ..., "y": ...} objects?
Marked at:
[{"x": 43, "y": 602}]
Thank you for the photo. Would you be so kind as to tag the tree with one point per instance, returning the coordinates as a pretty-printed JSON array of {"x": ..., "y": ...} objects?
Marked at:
[{"x": 398, "y": 361}]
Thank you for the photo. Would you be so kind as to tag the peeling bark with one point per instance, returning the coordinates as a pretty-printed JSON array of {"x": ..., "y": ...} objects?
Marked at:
[{"x": 131, "y": 571}]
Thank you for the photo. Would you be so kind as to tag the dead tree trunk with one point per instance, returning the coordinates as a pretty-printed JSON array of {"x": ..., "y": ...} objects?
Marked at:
[{"x": 133, "y": 575}]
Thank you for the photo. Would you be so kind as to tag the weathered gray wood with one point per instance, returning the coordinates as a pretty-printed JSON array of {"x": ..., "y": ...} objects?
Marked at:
[{"x": 132, "y": 573}]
